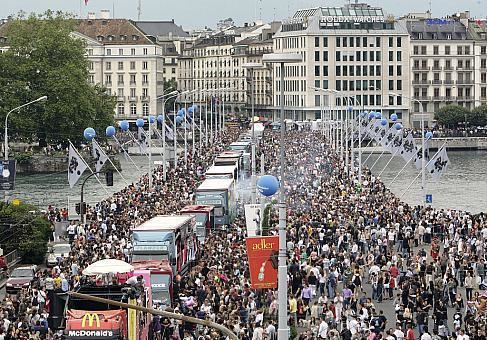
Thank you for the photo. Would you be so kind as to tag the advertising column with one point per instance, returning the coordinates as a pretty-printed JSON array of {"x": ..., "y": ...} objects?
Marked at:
[{"x": 263, "y": 261}]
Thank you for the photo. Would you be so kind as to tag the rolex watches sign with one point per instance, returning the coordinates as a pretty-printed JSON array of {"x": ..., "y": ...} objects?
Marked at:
[{"x": 7, "y": 171}]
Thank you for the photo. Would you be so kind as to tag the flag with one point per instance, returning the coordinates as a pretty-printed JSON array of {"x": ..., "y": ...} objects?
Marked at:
[
  {"x": 419, "y": 156},
  {"x": 387, "y": 139},
  {"x": 396, "y": 143},
  {"x": 99, "y": 156},
  {"x": 438, "y": 165},
  {"x": 76, "y": 166},
  {"x": 370, "y": 128},
  {"x": 169, "y": 132},
  {"x": 142, "y": 140},
  {"x": 380, "y": 131},
  {"x": 408, "y": 148}
]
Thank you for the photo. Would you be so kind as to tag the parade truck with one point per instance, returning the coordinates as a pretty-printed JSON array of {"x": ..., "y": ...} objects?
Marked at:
[
  {"x": 205, "y": 219},
  {"x": 161, "y": 277},
  {"x": 221, "y": 194},
  {"x": 86, "y": 319},
  {"x": 170, "y": 238}
]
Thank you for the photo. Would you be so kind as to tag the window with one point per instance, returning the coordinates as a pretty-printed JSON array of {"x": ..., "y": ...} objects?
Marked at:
[
  {"x": 399, "y": 101},
  {"x": 399, "y": 42},
  {"x": 145, "y": 92},
  {"x": 317, "y": 71},
  {"x": 391, "y": 85},
  {"x": 391, "y": 70},
  {"x": 338, "y": 71},
  {"x": 338, "y": 41},
  {"x": 399, "y": 56},
  {"x": 317, "y": 55},
  {"x": 91, "y": 66},
  {"x": 483, "y": 50},
  {"x": 345, "y": 71},
  {"x": 145, "y": 51},
  {"x": 436, "y": 50},
  {"x": 145, "y": 65},
  {"x": 132, "y": 65},
  {"x": 391, "y": 42},
  {"x": 372, "y": 55},
  {"x": 483, "y": 63},
  {"x": 133, "y": 109},
  {"x": 377, "y": 55},
  {"x": 132, "y": 51},
  {"x": 92, "y": 79},
  {"x": 325, "y": 84},
  {"x": 317, "y": 42},
  {"x": 145, "y": 109},
  {"x": 109, "y": 51},
  {"x": 121, "y": 109},
  {"x": 325, "y": 55},
  {"x": 120, "y": 65},
  {"x": 108, "y": 79},
  {"x": 358, "y": 55},
  {"x": 399, "y": 70},
  {"x": 132, "y": 93},
  {"x": 325, "y": 42},
  {"x": 345, "y": 42},
  {"x": 377, "y": 70},
  {"x": 447, "y": 50},
  {"x": 338, "y": 56},
  {"x": 145, "y": 79},
  {"x": 364, "y": 55},
  {"x": 399, "y": 85},
  {"x": 391, "y": 56},
  {"x": 325, "y": 71},
  {"x": 364, "y": 39},
  {"x": 338, "y": 85},
  {"x": 120, "y": 51},
  {"x": 416, "y": 50},
  {"x": 352, "y": 40},
  {"x": 120, "y": 79},
  {"x": 120, "y": 92},
  {"x": 317, "y": 100},
  {"x": 132, "y": 79},
  {"x": 108, "y": 66},
  {"x": 377, "y": 41}
]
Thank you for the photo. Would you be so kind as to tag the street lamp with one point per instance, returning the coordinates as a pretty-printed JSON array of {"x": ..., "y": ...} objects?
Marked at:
[
  {"x": 283, "y": 330},
  {"x": 176, "y": 128},
  {"x": 423, "y": 155},
  {"x": 6, "y": 122},
  {"x": 251, "y": 67},
  {"x": 164, "y": 165}
]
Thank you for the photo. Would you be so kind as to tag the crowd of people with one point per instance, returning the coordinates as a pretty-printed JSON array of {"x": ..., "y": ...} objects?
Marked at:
[{"x": 362, "y": 264}]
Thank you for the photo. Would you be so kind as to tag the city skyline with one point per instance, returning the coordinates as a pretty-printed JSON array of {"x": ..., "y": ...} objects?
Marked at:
[{"x": 196, "y": 14}]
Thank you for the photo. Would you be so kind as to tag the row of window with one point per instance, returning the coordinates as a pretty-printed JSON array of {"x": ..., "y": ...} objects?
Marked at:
[
  {"x": 133, "y": 109},
  {"x": 447, "y": 50},
  {"x": 121, "y": 51},
  {"x": 121, "y": 79}
]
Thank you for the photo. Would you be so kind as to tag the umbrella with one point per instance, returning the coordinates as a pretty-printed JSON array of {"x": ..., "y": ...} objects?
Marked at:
[{"x": 108, "y": 266}]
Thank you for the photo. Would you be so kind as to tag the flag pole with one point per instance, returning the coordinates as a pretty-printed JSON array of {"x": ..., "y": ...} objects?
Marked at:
[
  {"x": 404, "y": 167},
  {"x": 126, "y": 153},
  {"x": 414, "y": 180},
  {"x": 76, "y": 150},
  {"x": 390, "y": 160},
  {"x": 116, "y": 169},
  {"x": 136, "y": 141}
]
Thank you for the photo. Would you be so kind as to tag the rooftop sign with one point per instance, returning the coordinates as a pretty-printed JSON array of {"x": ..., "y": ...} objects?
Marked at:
[
  {"x": 350, "y": 18},
  {"x": 431, "y": 22}
]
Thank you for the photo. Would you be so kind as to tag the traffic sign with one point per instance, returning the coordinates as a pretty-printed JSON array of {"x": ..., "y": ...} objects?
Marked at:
[{"x": 429, "y": 198}]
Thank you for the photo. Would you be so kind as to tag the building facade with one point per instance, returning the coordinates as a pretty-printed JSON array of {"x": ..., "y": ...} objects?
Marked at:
[
  {"x": 354, "y": 50},
  {"x": 126, "y": 62}
]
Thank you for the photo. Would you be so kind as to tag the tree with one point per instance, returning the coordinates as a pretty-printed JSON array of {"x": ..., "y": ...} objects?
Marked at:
[
  {"x": 478, "y": 116},
  {"x": 451, "y": 115},
  {"x": 44, "y": 58}
]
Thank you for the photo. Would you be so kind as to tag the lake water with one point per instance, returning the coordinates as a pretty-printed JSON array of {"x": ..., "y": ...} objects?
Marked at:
[{"x": 464, "y": 186}]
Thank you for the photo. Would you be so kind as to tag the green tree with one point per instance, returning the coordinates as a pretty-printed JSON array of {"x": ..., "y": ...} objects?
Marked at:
[
  {"x": 44, "y": 58},
  {"x": 451, "y": 115},
  {"x": 169, "y": 86},
  {"x": 478, "y": 116}
]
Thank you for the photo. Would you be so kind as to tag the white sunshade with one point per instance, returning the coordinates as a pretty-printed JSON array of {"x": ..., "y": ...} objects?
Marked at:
[{"x": 108, "y": 266}]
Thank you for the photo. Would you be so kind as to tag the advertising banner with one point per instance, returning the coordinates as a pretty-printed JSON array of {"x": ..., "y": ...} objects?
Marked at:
[
  {"x": 263, "y": 261},
  {"x": 252, "y": 219}
]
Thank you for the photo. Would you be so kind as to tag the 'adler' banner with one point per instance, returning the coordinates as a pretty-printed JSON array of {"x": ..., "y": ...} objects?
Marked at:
[{"x": 263, "y": 261}]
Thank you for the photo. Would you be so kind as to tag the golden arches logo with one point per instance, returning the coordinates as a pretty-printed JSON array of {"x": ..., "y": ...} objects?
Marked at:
[{"x": 92, "y": 317}]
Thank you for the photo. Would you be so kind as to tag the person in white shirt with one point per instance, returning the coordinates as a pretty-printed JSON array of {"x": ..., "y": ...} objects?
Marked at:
[
  {"x": 399, "y": 333},
  {"x": 323, "y": 330},
  {"x": 426, "y": 336},
  {"x": 258, "y": 332}
]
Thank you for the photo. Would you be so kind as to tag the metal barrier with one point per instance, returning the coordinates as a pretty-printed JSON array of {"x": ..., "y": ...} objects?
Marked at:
[{"x": 12, "y": 258}]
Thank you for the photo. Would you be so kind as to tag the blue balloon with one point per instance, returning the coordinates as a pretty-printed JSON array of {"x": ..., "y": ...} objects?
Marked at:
[
  {"x": 195, "y": 107},
  {"x": 89, "y": 133},
  {"x": 180, "y": 113},
  {"x": 190, "y": 109},
  {"x": 140, "y": 122},
  {"x": 152, "y": 119},
  {"x": 429, "y": 135},
  {"x": 179, "y": 120},
  {"x": 398, "y": 126},
  {"x": 383, "y": 122},
  {"x": 371, "y": 114},
  {"x": 378, "y": 115},
  {"x": 124, "y": 125},
  {"x": 160, "y": 118},
  {"x": 268, "y": 185},
  {"x": 393, "y": 117},
  {"x": 363, "y": 114},
  {"x": 350, "y": 109},
  {"x": 110, "y": 131}
]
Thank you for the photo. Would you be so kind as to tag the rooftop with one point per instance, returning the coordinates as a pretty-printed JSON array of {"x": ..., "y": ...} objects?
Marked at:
[
  {"x": 162, "y": 29},
  {"x": 438, "y": 29},
  {"x": 113, "y": 31}
]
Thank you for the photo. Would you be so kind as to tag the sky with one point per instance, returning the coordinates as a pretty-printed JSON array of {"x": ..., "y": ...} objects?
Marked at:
[{"x": 200, "y": 13}]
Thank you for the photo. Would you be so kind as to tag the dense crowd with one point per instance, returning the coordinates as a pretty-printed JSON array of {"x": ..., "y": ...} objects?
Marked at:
[{"x": 362, "y": 264}]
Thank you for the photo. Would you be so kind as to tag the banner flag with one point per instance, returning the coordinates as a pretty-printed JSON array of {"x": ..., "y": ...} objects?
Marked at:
[
  {"x": 99, "y": 156},
  {"x": 263, "y": 261},
  {"x": 438, "y": 165},
  {"x": 76, "y": 166},
  {"x": 252, "y": 219},
  {"x": 408, "y": 147}
]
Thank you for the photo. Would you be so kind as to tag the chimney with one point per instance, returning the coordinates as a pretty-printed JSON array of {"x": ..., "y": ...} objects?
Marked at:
[
  {"x": 91, "y": 15},
  {"x": 105, "y": 14}
]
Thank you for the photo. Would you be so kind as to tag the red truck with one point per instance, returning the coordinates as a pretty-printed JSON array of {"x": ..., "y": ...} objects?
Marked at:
[{"x": 205, "y": 220}]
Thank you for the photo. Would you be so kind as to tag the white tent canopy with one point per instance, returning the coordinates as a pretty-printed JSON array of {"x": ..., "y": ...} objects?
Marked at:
[{"x": 108, "y": 266}]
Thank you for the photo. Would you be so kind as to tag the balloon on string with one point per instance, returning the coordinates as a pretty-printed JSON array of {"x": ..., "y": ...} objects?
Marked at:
[
  {"x": 190, "y": 109},
  {"x": 140, "y": 122},
  {"x": 383, "y": 122},
  {"x": 160, "y": 118},
  {"x": 152, "y": 119},
  {"x": 371, "y": 114},
  {"x": 180, "y": 113},
  {"x": 429, "y": 135},
  {"x": 363, "y": 114},
  {"x": 89, "y": 133},
  {"x": 378, "y": 115},
  {"x": 267, "y": 185},
  {"x": 179, "y": 120},
  {"x": 124, "y": 125},
  {"x": 110, "y": 131},
  {"x": 394, "y": 117},
  {"x": 398, "y": 126}
]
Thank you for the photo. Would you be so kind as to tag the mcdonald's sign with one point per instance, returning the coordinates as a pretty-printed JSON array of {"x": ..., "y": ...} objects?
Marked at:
[{"x": 92, "y": 317}]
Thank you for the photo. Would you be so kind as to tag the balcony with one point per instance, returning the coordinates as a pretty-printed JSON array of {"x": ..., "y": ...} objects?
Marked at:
[
  {"x": 120, "y": 98},
  {"x": 421, "y": 82},
  {"x": 448, "y": 82},
  {"x": 133, "y": 83},
  {"x": 145, "y": 98},
  {"x": 120, "y": 83},
  {"x": 438, "y": 98},
  {"x": 448, "y": 68},
  {"x": 145, "y": 83},
  {"x": 465, "y": 82},
  {"x": 450, "y": 99},
  {"x": 465, "y": 98},
  {"x": 421, "y": 68},
  {"x": 464, "y": 68},
  {"x": 437, "y": 68},
  {"x": 422, "y": 98},
  {"x": 437, "y": 82},
  {"x": 133, "y": 98}
]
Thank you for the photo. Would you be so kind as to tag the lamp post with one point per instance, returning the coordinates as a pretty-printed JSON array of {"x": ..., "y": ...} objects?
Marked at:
[
  {"x": 283, "y": 330},
  {"x": 6, "y": 122},
  {"x": 164, "y": 165},
  {"x": 251, "y": 67},
  {"x": 423, "y": 154},
  {"x": 176, "y": 129}
]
